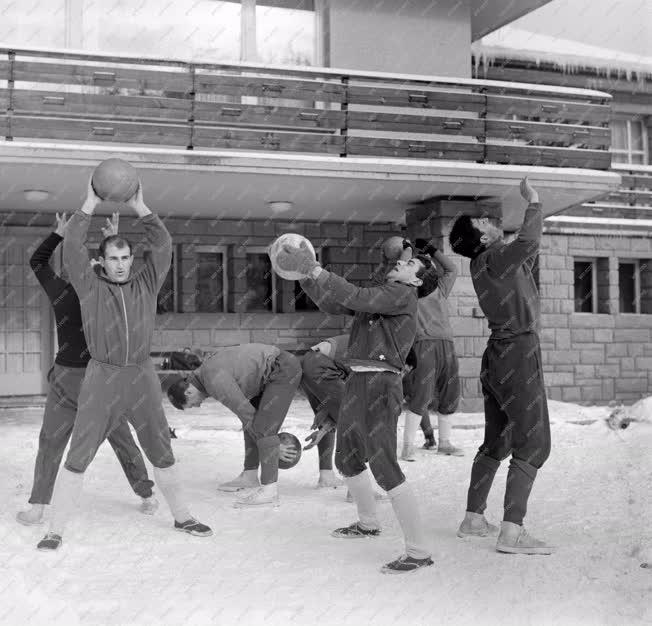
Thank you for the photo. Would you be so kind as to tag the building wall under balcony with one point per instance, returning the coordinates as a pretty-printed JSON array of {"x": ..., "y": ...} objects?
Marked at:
[{"x": 411, "y": 37}]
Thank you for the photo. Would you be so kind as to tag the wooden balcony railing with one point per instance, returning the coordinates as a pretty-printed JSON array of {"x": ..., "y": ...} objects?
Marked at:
[{"x": 73, "y": 97}]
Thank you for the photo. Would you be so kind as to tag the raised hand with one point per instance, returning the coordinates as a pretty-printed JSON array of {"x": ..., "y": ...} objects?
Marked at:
[
  {"x": 137, "y": 203},
  {"x": 111, "y": 226},
  {"x": 92, "y": 199},
  {"x": 296, "y": 259},
  {"x": 528, "y": 193},
  {"x": 61, "y": 224},
  {"x": 287, "y": 452}
]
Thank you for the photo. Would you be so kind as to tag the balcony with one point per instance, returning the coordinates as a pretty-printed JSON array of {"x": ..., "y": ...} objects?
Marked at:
[{"x": 189, "y": 114}]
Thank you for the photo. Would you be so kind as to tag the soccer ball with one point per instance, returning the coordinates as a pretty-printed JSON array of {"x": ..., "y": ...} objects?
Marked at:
[
  {"x": 115, "y": 179},
  {"x": 289, "y": 439},
  {"x": 291, "y": 239}
]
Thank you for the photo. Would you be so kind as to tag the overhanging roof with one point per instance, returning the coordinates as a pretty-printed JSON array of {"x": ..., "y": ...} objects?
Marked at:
[{"x": 489, "y": 15}]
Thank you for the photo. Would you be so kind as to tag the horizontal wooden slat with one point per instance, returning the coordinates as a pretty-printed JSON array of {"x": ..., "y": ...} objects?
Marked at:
[
  {"x": 517, "y": 154},
  {"x": 99, "y": 76},
  {"x": 262, "y": 115},
  {"x": 392, "y": 122},
  {"x": 413, "y": 149},
  {"x": 548, "y": 108},
  {"x": 4, "y": 100},
  {"x": 269, "y": 87},
  {"x": 3, "y": 125},
  {"x": 593, "y": 136},
  {"x": 4, "y": 70},
  {"x": 100, "y": 130},
  {"x": 636, "y": 181},
  {"x": 92, "y": 105},
  {"x": 630, "y": 196},
  {"x": 240, "y": 139},
  {"x": 460, "y": 100}
]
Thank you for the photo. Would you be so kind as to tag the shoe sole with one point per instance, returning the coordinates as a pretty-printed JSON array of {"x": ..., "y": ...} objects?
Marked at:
[
  {"x": 492, "y": 532},
  {"x": 262, "y": 505},
  {"x": 48, "y": 549},
  {"x": 235, "y": 489},
  {"x": 388, "y": 570},
  {"x": 510, "y": 550},
  {"x": 334, "y": 534},
  {"x": 194, "y": 533}
]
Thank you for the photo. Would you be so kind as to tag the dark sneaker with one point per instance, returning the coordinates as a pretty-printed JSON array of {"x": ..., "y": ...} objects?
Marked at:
[
  {"x": 355, "y": 531},
  {"x": 193, "y": 527},
  {"x": 405, "y": 564},
  {"x": 50, "y": 542},
  {"x": 430, "y": 443},
  {"x": 173, "y": 433}
]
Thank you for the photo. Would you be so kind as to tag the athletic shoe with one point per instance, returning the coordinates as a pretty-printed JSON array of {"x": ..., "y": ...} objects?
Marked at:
[
  {"x": 449, "y": 449},
  {"x": 329, "y": 481},
  {"x": 243, "y": 481},
  {"x": 149, "y": 506},
  {"x": 476, "y": 525},
  {"x": 405, "y": 564},
  {"x": 430, "y": 442},
  {"x": 173, "y": 433},
  {"x": 380, "y": 497},
  {"x": 355, "y": 531},
  {"x": 30, "y": 518},
  {"x": 408, "y": 454},
  {"x": 514, "y": 539},
  {"x": 258, "y": 498},
  {"x": 193, "y": 527},
  {"x": 50, "y": 542}
]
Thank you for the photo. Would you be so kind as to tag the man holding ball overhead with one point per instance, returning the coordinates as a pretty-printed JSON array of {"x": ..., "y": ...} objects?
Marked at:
[
  {"x": 120, "y": 382},
  {"x": 383, "y": 331}
]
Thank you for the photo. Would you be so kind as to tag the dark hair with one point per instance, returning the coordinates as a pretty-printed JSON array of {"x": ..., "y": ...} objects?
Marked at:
[
  {"x": 428, "y": 274},
  {"x": 177, "y": 393},
  {"x": 465, "y": 238},
  {"x": 117, "y": 241}
]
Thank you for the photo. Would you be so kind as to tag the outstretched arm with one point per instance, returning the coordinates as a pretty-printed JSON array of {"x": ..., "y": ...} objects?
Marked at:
[
  {"x": 40, "y": 260},
  {"x": 75, "y": 254}
]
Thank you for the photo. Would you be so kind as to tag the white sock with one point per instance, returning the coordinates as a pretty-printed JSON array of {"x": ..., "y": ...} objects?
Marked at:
[
  {"x": 168, "y": 483},
  {"x": 270, "y": 489},
  {"x": 406, "y": 509},
  {"x": 412, "y": 421},
  {"x": 445, "y": 427},
  {"x": 363, "y": 495},
  {"x": 67, "y": 492}
]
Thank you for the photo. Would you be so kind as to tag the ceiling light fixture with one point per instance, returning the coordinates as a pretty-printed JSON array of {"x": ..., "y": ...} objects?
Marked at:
[
  {"x": 280, "y": 206},
  {"x": 36, "y": 195}
]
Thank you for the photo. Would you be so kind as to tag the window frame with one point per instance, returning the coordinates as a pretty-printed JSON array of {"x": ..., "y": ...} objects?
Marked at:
[
  {"x": 215, "y": 249},
  {"x": 594, "y": 284},
  {"x": 264, "y": 250},
  {"x": 629, "y": 151},
  {"x": 637, "y": 285}
]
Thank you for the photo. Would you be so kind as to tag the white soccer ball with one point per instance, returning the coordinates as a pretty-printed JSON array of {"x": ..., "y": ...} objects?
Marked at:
[{"x": 292, "y": 239}]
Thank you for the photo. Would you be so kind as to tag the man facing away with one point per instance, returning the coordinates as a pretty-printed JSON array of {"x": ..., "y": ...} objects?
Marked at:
[
  {"x": 516, "y": 409},
  {"x": 118, "y": 311},
  {"x": 383, "y": 331},
  {"x": 65, "y": 378}
]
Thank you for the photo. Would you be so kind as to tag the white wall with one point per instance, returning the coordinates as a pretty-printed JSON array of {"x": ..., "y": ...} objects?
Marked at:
[{"x": 407, "y": 37}]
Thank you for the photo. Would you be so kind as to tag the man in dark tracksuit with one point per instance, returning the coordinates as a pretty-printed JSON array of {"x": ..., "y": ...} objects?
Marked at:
[
  {"x": 65, "y": 380},
  {"x": 240, "y": 377},
  {"x": 118, "y": 310},
  {"x": 516, "y": 410},
  {"x": 383, "y": 332}
]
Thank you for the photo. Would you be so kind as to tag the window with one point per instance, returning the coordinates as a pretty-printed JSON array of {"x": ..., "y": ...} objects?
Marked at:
[
  {"x": 302, "y": 302},
  {"x": 629, "y": 287},
  {"x": 211, "y": 279},
  {"x": 166, "y": 301},
  {"x": 585, "y": 287},
  {"x": 261, "y": 281},
  {"x": 629, "y": 141}
]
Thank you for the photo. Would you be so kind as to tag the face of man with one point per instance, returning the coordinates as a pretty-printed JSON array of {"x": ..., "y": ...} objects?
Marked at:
[
  {"x": 406, "y": 272},
  {"x": 490, "y": 232},
  {"x": 117, "y": 263},
  {"x": 194, "y": 397}
]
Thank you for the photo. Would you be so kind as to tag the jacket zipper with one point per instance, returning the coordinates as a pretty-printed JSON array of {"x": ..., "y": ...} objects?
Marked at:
[{"x": 124, "y": 308}]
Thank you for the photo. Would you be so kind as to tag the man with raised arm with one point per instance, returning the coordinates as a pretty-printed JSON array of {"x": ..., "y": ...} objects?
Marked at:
[
  {"x": 515, "y": 405},
  {"x": 118, "y": 311}
]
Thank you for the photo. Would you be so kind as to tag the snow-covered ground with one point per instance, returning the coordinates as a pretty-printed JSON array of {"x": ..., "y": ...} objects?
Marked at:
[{"x": 117, "y": 566}]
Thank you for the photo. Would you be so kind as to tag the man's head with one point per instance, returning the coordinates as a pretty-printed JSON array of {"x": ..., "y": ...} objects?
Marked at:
[
  {"x": 183, "y": 395},
  {"x": 395, "y": 248},
  {"x": 417, "y": 271},
  {"x": 472, "y": 235},
  {"x": 116, "y": 258}
]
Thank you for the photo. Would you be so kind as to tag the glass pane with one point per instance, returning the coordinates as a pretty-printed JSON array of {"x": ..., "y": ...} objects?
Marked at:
[
  {"x": 619, "y": 157},
  {"x": 33, "y": 24},
  {"x": 583, "y": 287},
  {"x": 203, "y": 30},
  {"x": 636, "y": 129},
  {"x": 166, "y": 297},
  {"x": 259, "y": 283},
  {"x": 209, "y": 292},
  {"x": 619, "y": 135},
  {"x": 286, "y": 36},
  {"x": 627, "y": 287},
  {"x": 302, "y": 302},
  {"x": 638, "y": 158}
]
